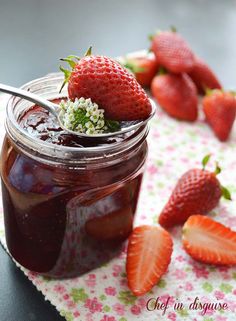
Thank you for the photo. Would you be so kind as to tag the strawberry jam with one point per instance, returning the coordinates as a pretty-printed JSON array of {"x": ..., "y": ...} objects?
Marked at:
[
  {"x": 69, "y": 203},
  {"x": 42, "y": 125}
]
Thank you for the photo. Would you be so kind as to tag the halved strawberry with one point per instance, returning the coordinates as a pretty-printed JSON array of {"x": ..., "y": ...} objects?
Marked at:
[
  {"x": 148, "y": 256},
  {"x": 208, "y": 241}
]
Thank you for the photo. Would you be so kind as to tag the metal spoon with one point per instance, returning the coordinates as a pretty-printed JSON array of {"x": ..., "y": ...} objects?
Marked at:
[{"x": 126, "y": 126}]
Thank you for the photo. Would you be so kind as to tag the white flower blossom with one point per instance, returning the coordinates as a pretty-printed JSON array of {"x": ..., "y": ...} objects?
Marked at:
[
  {"x": 100, "y": 124},
  {"x": 83, "y": 116}
]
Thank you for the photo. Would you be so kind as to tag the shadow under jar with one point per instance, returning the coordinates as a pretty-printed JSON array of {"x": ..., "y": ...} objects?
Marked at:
[{"x": 68, "y": 202}]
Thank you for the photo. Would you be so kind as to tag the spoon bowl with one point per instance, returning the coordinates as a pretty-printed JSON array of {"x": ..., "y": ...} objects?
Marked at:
[{"x": 126, "y": 126}]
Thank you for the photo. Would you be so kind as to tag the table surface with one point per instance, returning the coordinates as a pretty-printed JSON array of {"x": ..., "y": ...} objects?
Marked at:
[{"x": 34, "y": 34}]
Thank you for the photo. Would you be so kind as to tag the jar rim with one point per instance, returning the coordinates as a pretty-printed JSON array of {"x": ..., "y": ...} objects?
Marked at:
[{"x": 23, "y": 138}]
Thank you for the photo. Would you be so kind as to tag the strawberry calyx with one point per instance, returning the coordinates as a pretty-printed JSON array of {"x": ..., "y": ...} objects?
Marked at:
[
  {"x": 162, "y": 71},
  {"x": 157, "y": 32},
  {"x": 132, "y": 66},
  {"x": 72, "y": 61},
  {"x": 205, "y": 160},
  {"x": 217, "y": 169},
  {"x": 151, "y": 36},
  {"x": 209, "y": 92},
  {"x": 173, "y": 29},
  {"x": 225, "y": 192}
]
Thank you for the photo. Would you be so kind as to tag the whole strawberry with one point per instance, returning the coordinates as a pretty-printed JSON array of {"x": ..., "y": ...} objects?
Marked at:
[
  {"x": 109, "y": 85},
  {"x": 172, "y": 52},
  {"x": 220, "y": 110},
  {"x": 203, "y": 77},
  {"x": 143, "y": 67},
  {"x": 197, "y": 191},
  {"x": 177, "y": 95}
]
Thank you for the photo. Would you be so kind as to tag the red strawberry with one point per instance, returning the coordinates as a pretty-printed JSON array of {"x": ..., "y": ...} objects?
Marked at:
[
  {"x": 203, "y": 76},
  {"x": 208, "y": 241},
  {"x": 148, "y": 256},
  {"x": 197, "y": 191},
  {"x": 172, "y": 52},
  {"x": 177, "y": 95},
  {"x": 109, "y": 85},
  {"x": 220, "y": 108},
  {"x": 144, "y": 68}
]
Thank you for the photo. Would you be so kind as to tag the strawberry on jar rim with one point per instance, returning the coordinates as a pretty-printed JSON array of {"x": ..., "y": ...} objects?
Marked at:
[
  {"x": 197, "y": 191},
  {"x": 109, "y": 85}
]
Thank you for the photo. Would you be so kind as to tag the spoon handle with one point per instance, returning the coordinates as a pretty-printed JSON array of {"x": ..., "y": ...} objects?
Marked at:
[{"x": 51, "y": 107}]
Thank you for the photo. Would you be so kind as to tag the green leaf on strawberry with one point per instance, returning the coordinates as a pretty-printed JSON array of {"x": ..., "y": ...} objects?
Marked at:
[
  {"x": 205, "y": 160},
  {"x": 226, "y": 193},
  {"x": 72, "y": 60}
]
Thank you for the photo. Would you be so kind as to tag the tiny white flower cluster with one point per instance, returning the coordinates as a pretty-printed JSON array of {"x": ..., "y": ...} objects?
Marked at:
[{"x": 83, "y": 116}]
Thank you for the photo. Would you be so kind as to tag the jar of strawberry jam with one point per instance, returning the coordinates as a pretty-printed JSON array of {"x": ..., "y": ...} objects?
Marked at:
[{"x": 69, "y": 203}]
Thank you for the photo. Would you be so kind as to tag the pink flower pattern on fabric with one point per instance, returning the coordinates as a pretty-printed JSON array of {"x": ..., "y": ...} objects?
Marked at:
[{"x": 103, "y": 294}]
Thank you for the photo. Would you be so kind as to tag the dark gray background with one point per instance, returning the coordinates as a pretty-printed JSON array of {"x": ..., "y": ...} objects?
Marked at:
[{"x": 34, "y": 34}]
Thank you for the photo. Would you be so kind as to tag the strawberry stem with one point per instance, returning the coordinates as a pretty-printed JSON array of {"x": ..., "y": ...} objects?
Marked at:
[
  {"x": 226, "y": 193},
  {"x": 88, "y": 52},
  {"x": 205, "y": 161},
  {"x": 173, "y": 28},
  {"x": 151, "y": 36},
  {"x": 208, "y": 91},
  {"x": 162, "y": 71},
  {"x": 217, "y": 169}
]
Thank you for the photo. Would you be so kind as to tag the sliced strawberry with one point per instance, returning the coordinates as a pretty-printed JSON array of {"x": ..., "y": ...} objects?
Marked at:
[
  {"x": 208, "y": 241},
  {"x": 148, "y": 256}
]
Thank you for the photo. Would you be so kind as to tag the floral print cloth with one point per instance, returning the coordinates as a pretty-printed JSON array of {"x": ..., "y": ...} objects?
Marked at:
[{"x": 103, "y": 295}]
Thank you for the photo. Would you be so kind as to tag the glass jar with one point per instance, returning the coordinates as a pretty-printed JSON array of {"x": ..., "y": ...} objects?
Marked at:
[{"x": 67, "y": 210}]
